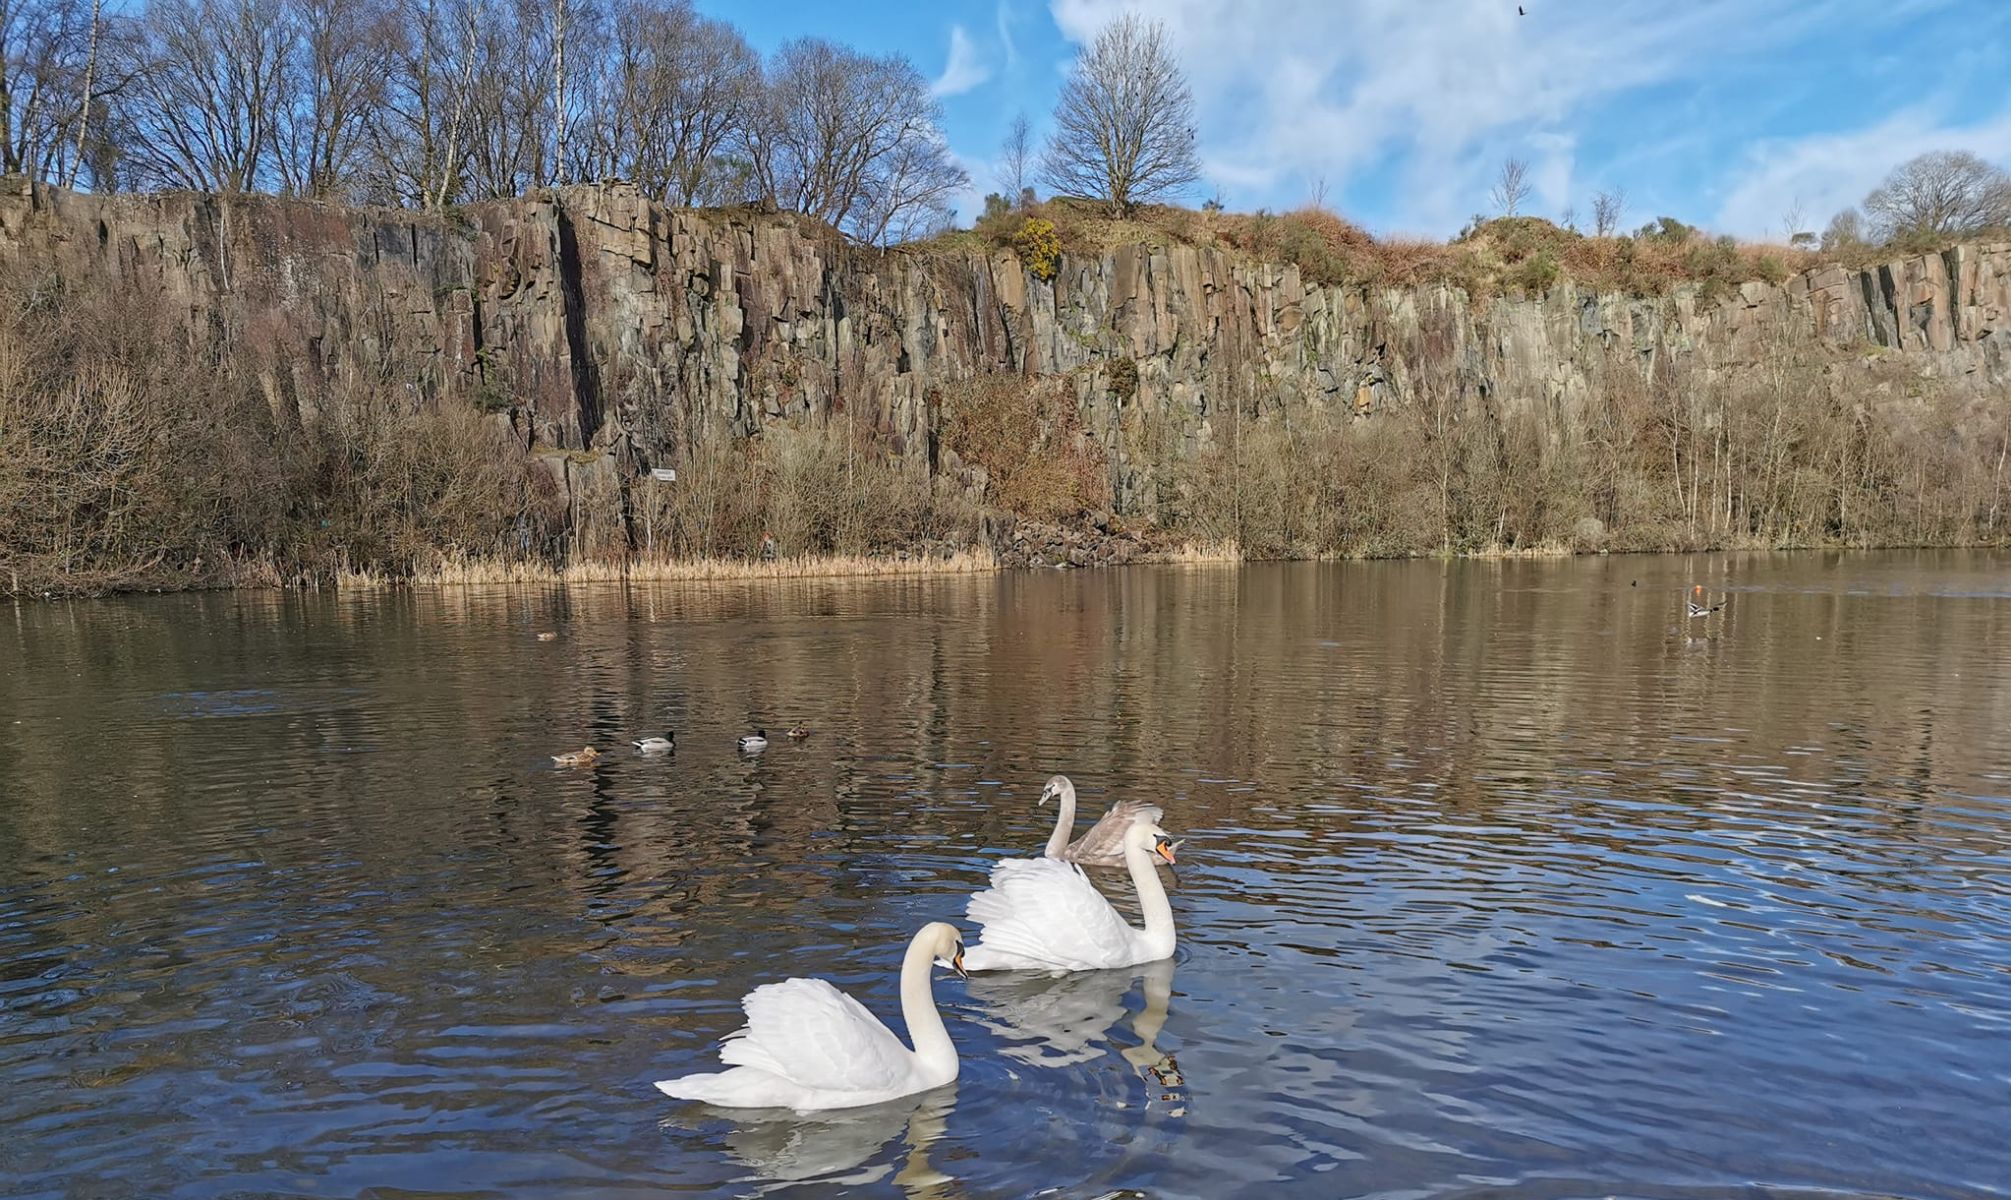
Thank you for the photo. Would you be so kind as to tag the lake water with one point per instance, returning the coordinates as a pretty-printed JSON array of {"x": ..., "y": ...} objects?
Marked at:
[{"x": 1501, "y": 879}]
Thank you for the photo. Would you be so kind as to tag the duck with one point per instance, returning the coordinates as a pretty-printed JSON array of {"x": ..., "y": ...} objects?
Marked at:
[
  {"x": 1698, "y": 609},
  {"x": 1043, "y": 914},
  {"x": 809, "y": 1047},
  {"x": 798, "y": 732},
  {"x": 548, "y": 636},
  {"x": 658, "y": 745},
  {"x": 754, "y": 743},
  {"x": 1103, "y": 845},
  {"x": 577, "y": 758}
]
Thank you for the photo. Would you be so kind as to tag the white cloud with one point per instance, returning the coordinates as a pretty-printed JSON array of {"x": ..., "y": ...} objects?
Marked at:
[
  {"x": 1830, "y": 172},
  {"x": 1005, "y": 24},
  {"x": 1308, "y": 89},
  {"x": 964, "y": 70}
]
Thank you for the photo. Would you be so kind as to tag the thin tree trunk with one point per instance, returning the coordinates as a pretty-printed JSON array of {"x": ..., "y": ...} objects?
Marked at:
[
  {"x": 84, "y": 102},
  {"x": 1997, "y": 481},
  {"x": 460, "y": 108},
  {"x": 559, "y": 88}
]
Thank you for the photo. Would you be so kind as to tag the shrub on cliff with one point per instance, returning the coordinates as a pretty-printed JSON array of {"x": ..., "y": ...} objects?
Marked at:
[
  {"x": 1038, "y": 247},
  {"x": 1025, "y": 434},
  {"x": 136, "y": 453}
]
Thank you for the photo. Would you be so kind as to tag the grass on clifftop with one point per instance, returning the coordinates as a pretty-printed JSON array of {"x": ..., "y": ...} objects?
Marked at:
[{"x": 1503, "y": 256}]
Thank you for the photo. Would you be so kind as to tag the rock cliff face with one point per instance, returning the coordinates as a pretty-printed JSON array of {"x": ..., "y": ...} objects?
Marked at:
[{"x": 603, "y": 322}]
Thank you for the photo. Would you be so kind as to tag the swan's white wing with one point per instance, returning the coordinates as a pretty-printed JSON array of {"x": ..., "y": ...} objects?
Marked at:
[
  {"x": 1046, "y": 911},
  {"x": 810, "y": 1033},
  {"x": 1104, "y": 843}
]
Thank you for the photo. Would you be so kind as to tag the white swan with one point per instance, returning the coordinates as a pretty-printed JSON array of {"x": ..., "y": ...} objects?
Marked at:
[
  {"x": 1043, "y": 914},
  {"x": 807, "y": 1045},
  {"x": 1103, "y": 845}
]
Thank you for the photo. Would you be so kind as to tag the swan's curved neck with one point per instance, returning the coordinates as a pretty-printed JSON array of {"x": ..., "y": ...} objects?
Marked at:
[
  {"x": 933, "y": 1048},
  {"x": 1152, "y": 901},
  {"x": 1064, "y": 823}
]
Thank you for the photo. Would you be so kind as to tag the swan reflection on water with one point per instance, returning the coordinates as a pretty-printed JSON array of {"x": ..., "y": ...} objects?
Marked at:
[
  {"x": 782, "y": 1147},
  {"x": 1059, "y": 1020}
]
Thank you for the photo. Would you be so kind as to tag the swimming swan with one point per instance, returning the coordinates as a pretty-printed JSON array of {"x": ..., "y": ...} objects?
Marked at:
[
  {"x": 1043, "y": 914},
  {"x": 808, "y": 1046},
  {"x": 1103, "y": 845}
]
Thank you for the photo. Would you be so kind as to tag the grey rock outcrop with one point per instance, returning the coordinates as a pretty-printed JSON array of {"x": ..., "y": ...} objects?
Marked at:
[{"x": 601, "y": 321}]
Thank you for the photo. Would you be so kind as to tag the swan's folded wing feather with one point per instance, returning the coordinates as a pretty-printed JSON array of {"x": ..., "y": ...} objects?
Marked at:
[
  {"x": 809, "y": 1032},
  {"x": 1046, "y": 910},
  {"x": 1105, "y": 839}
]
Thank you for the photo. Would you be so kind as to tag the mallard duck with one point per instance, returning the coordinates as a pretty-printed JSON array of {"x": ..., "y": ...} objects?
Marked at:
[
  {"x": 1698, "y": 609},
  {"x": 577, "y": 758},
  {"x": 658, "y": 745},
  {"x": 754, "y": 743},
  {"x": 548, "y": 636},
  {"x": 799, "y": 732}
]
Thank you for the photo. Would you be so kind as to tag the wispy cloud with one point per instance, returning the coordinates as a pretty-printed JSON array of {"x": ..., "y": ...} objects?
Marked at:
[
  {"x": 1436, "y": 96},
  {"x": 1005, "y": 24},
  {"x": 1826, "y": 173},
  {"x": 964, "y": 70}
]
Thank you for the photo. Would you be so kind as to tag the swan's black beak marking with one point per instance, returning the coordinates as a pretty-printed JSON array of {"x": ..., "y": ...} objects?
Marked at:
[{"x": 957, "y": 963}]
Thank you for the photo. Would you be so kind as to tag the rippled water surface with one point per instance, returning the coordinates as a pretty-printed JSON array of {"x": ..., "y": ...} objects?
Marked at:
[{"x": 1500, "y": 880}]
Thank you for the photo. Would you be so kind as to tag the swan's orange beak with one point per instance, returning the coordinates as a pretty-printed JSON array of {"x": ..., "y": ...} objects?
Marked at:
[
  {"x": 1163, "y": 849},
  {"x": 957, "y": 964}
]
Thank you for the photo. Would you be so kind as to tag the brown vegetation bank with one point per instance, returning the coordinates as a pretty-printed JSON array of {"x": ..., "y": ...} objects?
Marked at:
[{"x": 198, "y": 391}]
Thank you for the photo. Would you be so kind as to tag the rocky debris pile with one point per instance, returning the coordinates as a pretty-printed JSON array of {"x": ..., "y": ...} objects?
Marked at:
[{"x": 1092, "y": 539}]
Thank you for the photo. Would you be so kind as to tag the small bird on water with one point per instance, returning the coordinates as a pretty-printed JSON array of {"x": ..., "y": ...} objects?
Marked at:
[
  {"x": 658, "y": 745},
  {"x": 754, "y": 743},
  {"x": 577, "y": 758},
  {"x": 1699, "y": 609},
  {"x": 798, "y": 732}
]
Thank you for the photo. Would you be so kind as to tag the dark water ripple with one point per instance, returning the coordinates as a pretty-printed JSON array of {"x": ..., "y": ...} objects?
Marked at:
[{"x": 1499, "y": 880}]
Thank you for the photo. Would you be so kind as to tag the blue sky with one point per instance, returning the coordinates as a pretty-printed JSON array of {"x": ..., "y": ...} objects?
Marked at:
[{"x": 1732, "y": 114}]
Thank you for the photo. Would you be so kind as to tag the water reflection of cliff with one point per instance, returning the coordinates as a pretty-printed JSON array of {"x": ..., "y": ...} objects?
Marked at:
[{"x": 1514, "y": 700}]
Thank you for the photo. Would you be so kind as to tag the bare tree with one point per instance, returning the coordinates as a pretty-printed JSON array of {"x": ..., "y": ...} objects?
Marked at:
[
  {"x": 345, "y": 59},
  {"x": 561, "y": 20},
  {"x": 86, "y": 96},
  {"x": 1945, "y": 193},
  {"x": 206, "y": 102},
  {"x": 1511, "y": 186},
  {"x": 910, "y": 196},
  {"x": 509, "y": 104},
  {"x": 1606, "y": 209},
  {"x": 850, "y": 139},
  {"x": 1569, "y": 217},
  {"x": 679, "y": 91},
  {"x": 44, "y": 47},
  {"x": 1016, "y": 158},
  {"x": 1844, "y": 231},
  {"x": 1124, "y": 126},
  {"x": 1792, "y": 218}
]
